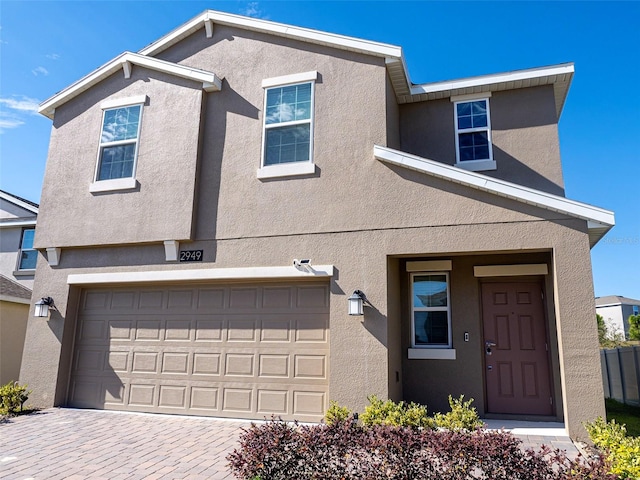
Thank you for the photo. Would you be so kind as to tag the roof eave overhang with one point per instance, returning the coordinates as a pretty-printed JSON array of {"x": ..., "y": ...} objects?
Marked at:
[
  {"x": 599, "y": 221},
  {"x": 210, "y": 81},
  {"x": 559, "y": 76},
  {"x": 16, "y": 201}
]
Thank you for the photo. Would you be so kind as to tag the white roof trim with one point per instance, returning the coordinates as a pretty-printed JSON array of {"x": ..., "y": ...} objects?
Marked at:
[
  {"x": 17, "y": 223},
  {"x": 12, "y": 299},
  {"x": 487, "y": 80},
  {"x": 210, "y": 81},
  {"x": 595, "y": 216},
  {"x": 16, "y": 201},
  {"x": 247, "y": 273},
  {"x": 280, "y": 29}
]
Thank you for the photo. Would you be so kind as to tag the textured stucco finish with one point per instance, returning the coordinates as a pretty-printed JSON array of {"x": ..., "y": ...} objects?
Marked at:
[
  {"x": 524, "y": 133},
  {"x": 13, "y": 326},
  {"x": 356, "y": 213},
  {"x": 166, "y": 167}
]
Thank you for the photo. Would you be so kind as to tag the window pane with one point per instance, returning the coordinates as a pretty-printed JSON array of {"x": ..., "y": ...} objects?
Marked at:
[
  {"x": 287, "y": 144},
  {"x": 28, "y": 259},
  {"x": 464, "y": 122},
  {"x": 286, "y": 104},
  {"x": 479, "y": 107},
  {"x": 27, "y": 238},
  {"x": 431, "y": 328},
  {"x": 120, "y": 124},
  {"x": 430, "y": 291},
  {"x": 116, "y": 162},
  {"x": 464, "y": 109}
]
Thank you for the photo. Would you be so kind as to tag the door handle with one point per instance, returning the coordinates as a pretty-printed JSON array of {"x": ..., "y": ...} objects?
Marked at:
[{"x": 488, "y": 345}]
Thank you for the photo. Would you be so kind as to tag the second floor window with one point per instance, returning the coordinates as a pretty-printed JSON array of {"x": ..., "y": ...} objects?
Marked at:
[
  {"x": 288, "y": 124},
  {"x": 27, "y": 256},
  {"x": 473, "y": 134},
  {"x": 119, "y": 142}
]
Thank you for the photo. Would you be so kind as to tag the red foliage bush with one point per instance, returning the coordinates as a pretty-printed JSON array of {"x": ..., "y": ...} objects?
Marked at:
[{"x": 345, "y": 451}]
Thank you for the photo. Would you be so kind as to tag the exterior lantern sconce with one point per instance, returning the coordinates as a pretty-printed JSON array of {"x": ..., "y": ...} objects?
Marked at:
[
  {"x": 356, "y": 302},
  {"x": 43, "y": 305}
]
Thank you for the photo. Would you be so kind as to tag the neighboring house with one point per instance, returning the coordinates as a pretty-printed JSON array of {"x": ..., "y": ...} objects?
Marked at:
[
  {"x": 17, "y": 268},
  {"x": 183, "y": 180},
  {"x": 616, "y": 311}
]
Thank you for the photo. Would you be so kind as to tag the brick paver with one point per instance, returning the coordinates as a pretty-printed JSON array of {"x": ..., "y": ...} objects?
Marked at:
[{"x": 67, "y": 444}]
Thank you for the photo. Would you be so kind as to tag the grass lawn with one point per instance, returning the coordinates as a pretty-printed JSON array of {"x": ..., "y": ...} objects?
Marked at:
[{"x": 626, "y": 414}]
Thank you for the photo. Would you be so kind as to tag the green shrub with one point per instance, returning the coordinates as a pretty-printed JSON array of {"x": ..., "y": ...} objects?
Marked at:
[
  {"x": 12, "y": 398},
  {"x": 336, "y": 413},
  {"x": 461, "y": 417},
  {"x": 401, "y": 414},
  {"x": 622, "y": 452},
  {"x": 634, "y": 327}
]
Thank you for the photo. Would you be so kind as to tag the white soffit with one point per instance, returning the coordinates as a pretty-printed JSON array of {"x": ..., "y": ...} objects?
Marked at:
[
  {"x": 210, "y": 81},
  {"x": 18, "y": 201},
  {"x": 559, "y": 76},
  {"x": 204, "y": 274},
  {"x": 599, "y": 220}
]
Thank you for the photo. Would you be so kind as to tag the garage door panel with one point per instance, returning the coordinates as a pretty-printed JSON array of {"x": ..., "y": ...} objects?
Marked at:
[{"x": 237, "y": 351}]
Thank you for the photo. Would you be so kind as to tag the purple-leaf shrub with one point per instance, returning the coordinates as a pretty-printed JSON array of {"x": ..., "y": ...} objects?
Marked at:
[{"x": 346, "y": 451}]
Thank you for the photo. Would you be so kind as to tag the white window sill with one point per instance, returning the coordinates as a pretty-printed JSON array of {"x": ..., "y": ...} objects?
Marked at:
[
  {"x": 432, "y": 354},
  {"x": 24, "y": 273},
  {"x": 113, "y": 185},
  {"x": 286, "y": 170},
  {"x": 477, "y": 165}
]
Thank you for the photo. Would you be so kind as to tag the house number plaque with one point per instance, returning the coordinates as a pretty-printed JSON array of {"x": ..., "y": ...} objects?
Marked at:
[{"x": 191, "y": 255}]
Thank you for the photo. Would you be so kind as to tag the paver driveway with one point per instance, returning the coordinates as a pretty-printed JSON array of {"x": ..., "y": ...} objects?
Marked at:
[{"x": 62, "y": 443}]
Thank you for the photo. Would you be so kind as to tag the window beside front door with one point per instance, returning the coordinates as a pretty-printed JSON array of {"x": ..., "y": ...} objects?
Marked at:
[{"x": 430, "y": 310}]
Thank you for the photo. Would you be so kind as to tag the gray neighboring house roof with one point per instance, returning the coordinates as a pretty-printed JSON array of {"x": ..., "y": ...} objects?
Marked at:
[
  {"x": 615, "y": 300},
  {"x": 12, "y": 291}
]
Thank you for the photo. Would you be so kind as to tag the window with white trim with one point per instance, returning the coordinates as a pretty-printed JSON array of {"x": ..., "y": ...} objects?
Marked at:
[
  {"x": 287, "y": 140},
  {"x": 27, "y": 256},
  {"x": 430, "y": 310},
  {"x": 473, "y": 135},
  {"x": 119, "y": 142}
]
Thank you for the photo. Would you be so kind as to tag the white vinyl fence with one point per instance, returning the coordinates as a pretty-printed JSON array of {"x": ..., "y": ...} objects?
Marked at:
[{"x": 621, "y": 374}]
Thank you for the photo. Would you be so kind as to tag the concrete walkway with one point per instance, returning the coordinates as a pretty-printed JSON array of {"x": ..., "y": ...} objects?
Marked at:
[{"x": 61, "y": 443}]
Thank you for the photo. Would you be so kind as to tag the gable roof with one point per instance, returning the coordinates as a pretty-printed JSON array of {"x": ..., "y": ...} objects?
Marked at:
[
  {"x": 11, "y": 291},
  {"x": 599, "y": 220},
  {"x": 559, "y": 76},
  {"x": 611, "y": 300},
  {"x": 19, "y": 201},
  {"x": 210, "y": 81}
]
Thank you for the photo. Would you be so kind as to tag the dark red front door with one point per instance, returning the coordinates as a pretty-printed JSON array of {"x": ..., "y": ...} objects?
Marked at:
[{"x": 515, "y": 341}]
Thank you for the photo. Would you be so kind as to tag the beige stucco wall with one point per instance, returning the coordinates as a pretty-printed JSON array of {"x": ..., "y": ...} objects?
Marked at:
[
  {"x": 355, "y": 213},
  {"x": 13, "y": 325},
  {"x": 524, "y": 134},
  {"x": 166, "y": 166}
]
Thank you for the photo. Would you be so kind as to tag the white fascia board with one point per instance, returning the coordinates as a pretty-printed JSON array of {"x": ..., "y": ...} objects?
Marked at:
[
  {"x": 247, "y": 273},
  {"x": 485, "y": 80},
  {"x": 16, "y": 201},
  {"x": 210, "y": 81},
  {"x": 12, "y": 299},
  {"x": 17, "y": 223},
  {"x": 279, "y": 29},
  {"x": 499, "y": 187}
]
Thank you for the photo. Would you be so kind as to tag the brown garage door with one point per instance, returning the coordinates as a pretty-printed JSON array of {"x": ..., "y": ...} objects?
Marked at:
[{"x": 243, "y": 351}]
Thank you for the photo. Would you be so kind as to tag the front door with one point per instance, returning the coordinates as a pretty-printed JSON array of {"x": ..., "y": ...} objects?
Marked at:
[{"x": 515, "y": 343}]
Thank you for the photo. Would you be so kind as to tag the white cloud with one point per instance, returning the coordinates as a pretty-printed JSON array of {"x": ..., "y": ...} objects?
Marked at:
[
  {"x": 20, "y": 103},
  {"x": 13, "y": 110},
  {"x": 52, "y": 56},
  {"x": 40, "y": 71},
  {"x": 253, "y": 10}
]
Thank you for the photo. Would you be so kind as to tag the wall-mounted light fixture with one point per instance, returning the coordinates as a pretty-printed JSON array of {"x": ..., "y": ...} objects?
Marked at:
[
  {"x": 304, "y": 264},
  {"x": 42, "y": 306},
  {"x": 356, "y": 302}
]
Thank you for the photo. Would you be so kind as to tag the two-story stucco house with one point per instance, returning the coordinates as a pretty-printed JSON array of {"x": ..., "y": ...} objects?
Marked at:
[
  {"x": 211, "y": 203},
  {"x": 17, "y": 267}
]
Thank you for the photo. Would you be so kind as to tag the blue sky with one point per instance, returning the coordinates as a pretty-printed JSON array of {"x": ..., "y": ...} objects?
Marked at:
[{"x": 45, "y": 46}]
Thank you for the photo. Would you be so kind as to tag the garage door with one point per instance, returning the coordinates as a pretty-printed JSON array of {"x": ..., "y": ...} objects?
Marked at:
[{"x": 242, "y": 351}]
